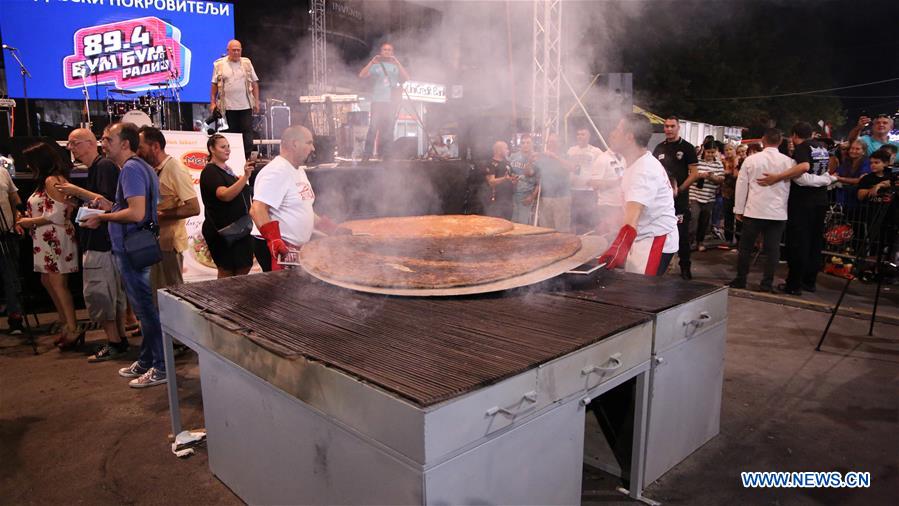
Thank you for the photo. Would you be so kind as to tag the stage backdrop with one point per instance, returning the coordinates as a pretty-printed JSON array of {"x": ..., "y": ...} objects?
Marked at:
[
  {"x": 190, "y": 148},
  {"x": 70, "y": 45}
]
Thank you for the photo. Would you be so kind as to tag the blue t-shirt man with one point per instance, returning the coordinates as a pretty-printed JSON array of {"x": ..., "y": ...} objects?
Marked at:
[
  {"x": 137, "y": 179},
  {"x": 526, "y": 184},
  {"x": 872, "y": 144},
  {"x": 383, "y": 83}
]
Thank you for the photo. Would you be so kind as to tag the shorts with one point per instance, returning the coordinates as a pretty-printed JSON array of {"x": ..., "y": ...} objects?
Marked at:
[
  {"x": 168, "y": 272},
  {"x": 104, "y": 294}
]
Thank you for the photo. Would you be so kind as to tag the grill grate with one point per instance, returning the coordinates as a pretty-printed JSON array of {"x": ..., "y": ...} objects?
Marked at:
[{"x": 423, "y": 349}]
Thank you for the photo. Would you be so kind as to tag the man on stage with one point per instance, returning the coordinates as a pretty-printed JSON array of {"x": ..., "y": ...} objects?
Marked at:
[
  {"x": 235, "y": 92},
  {"x": 387, "y": 75},
  {"x": 649, "y": 237}
]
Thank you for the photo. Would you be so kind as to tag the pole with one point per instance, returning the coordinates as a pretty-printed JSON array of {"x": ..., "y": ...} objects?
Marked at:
[
  {"x": 25, "y": 75},
  {"x": 583, "y": 108}
]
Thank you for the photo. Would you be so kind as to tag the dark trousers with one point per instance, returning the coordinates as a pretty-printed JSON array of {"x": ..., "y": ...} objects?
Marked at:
[
  {"x": 729, "y": 220},
  {"x": 771, "y": 231},
  {"x": 262, "y": 254},
  {"x": 683, "y": 232},
  {"x": 805, "y": 240},
  {"x": 383, "y": 119},
  {"x": 702, "y": 214},
  {"x": 241, "y": 122}
]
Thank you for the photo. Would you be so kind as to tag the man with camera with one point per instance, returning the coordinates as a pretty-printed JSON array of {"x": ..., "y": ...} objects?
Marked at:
[
  {"x": 235, "y": 93},
  {"x": 387, "y": 74}
]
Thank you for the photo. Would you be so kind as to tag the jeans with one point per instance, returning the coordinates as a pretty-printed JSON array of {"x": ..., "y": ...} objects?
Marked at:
[
  {"x": 241, "y": 122},
  {"x": 137, "y": 287},
  {"x": 729, "y": 221},
  {"x": 699, "y": 225},
  {"x": 9, "y": 269},
  {"x": 772, "y": 231},
  {"x": 383, "y": 119},
  {"x": 805, "y": 241}
]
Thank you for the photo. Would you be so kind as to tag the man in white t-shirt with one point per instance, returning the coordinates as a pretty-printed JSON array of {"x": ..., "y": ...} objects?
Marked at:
[
  {"x": 604, "y": 177},
  {"x": 235, "y": 92},
  {"x": 283, "y": 197},
  {"x": 648, "y": 239},
  {"x": 584, "y": 155}
]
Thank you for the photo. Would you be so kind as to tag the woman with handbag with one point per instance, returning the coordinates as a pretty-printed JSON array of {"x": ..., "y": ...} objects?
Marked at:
[
  {"x": 226, "y": 199},
  {"x": 53, "y": 235}
]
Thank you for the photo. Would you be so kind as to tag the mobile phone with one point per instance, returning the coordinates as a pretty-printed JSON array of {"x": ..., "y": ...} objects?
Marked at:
[{"x": 254, "y": 155}]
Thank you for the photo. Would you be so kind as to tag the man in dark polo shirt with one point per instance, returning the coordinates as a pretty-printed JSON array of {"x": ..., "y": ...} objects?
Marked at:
[
  {"x": 104, "y": 293},
  {"x": 679, "y": 159}
]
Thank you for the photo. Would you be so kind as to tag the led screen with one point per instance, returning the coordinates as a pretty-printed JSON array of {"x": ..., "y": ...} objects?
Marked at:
[{"x": 70, "y": 45}]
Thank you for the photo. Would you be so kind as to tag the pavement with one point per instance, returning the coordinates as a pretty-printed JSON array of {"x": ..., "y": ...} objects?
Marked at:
[{"x": 74, "y": 433}]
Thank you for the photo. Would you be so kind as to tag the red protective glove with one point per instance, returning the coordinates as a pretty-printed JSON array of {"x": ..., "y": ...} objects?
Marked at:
[
  {"x": 271, "y": 232},
  {"x": 616, "y": 255},
  {"x": 326, "y": 225}
]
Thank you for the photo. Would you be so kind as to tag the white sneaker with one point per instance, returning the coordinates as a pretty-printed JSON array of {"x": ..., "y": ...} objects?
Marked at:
[
  {"x": 150, "y": 378},
  {"x": 133, "y": 371}
]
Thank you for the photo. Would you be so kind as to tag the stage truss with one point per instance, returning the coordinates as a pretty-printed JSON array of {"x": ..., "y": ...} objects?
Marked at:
[{"x": 547, "y": 66}]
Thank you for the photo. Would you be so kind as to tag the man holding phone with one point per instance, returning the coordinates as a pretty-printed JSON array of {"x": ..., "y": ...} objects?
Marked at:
[
  {"x": 387, "y": 75},
  {"x": 880, "y": 132}
]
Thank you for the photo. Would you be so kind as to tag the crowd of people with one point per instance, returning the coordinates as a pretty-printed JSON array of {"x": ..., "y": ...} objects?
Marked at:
[
  {"x": 779, "y": 187},
  {"x": 133, "y": 185}
]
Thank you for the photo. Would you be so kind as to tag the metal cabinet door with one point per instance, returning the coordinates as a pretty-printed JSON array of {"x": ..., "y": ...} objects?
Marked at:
[
  {"x": 539, "y": 462},
  {"x": 684, "y": 400}
]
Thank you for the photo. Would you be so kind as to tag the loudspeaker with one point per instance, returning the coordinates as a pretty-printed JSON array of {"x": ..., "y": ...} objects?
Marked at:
[
  {"x": 404, "y": 148},
  {"x": 324, "y": 149},
  {"x": 280, "y": 120}
]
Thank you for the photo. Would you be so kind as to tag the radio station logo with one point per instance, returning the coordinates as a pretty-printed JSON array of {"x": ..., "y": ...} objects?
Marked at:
[{"x": 134, "y": 54}]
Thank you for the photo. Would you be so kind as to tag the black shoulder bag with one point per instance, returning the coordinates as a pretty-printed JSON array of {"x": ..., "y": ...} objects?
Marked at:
[
  {"x": 142, "y": 244},
  {"x": 240, "y": 228}
]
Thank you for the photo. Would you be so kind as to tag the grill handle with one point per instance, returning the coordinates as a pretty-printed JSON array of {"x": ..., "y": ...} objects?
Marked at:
[
  {"x": 614, "y": 363},
  {"x": 530, "y": 397},
  {"x": 698, "y": 322}
]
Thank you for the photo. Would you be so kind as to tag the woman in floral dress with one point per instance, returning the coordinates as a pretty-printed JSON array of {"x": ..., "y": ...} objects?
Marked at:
[{"x": 47, "y": 217}]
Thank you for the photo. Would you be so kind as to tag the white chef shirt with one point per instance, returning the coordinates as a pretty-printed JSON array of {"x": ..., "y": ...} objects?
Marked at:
[
  {"x": 584, "y": 158},
  {"x": 289, "y": 196},
  {"x": 608, "y": 168},
  {"x": 646, "y": 182}
]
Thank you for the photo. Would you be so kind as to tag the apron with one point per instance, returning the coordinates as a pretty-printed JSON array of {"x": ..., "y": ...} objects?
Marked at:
[{"x": 645, "y": 256}]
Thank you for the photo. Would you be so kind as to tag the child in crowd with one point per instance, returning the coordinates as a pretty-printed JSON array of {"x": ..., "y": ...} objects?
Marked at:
[{"x": 703, "y": 193}]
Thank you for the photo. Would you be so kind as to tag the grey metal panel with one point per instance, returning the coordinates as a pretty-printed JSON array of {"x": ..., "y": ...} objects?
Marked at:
[
  {"x": 538, "y": 462},
  {"x": 687, "y": 320},
  {"x": 594, "y": 365},
  {"x": 270, "y": 448},
  {"x": 685, "y": 399},
  {"x": 370, "y": 410},
  {"x": 472, "y": 417}
]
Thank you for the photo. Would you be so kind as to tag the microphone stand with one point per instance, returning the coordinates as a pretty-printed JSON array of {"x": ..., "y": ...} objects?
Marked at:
[
  {"x": 25, "y": 75},
  {"x": 176, "y": 87},
  {"x": 87, "y": 102}
]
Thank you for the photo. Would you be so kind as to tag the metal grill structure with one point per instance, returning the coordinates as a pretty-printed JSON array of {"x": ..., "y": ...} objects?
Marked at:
[
  {"x": 319, "y": 65},
  {"x": 319, "y": 48},
  {"x": 547, "y": 66}
]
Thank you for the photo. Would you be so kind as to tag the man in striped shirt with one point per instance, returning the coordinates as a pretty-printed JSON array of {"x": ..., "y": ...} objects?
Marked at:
[{"x": 703, "y": 193}]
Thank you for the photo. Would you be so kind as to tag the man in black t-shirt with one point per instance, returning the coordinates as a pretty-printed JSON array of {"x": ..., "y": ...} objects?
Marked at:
[
  {"x": 679, "y": 159},
  {"x": 806, "y": 209},
  {"x": 501, "y": 182},
  {"x": 104, "y": 293}
]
